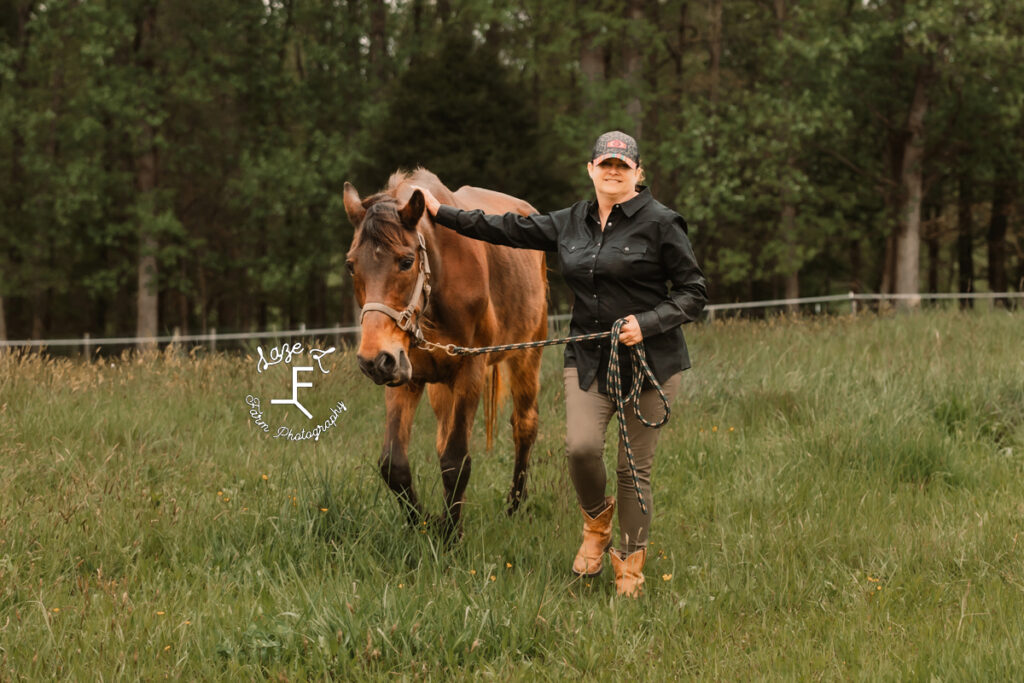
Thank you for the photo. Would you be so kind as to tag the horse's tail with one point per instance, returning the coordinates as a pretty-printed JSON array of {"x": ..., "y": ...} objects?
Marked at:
[{"x": 492, "y": 401}]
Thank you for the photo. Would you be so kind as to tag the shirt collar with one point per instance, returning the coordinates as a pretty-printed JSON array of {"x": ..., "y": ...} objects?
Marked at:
[
  {"x": 638, "y": 202},
  {"x": 629, "y": 208}
]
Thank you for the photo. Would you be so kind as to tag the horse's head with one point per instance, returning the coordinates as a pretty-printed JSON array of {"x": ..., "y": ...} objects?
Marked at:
[{"x": 390, "y": 275}]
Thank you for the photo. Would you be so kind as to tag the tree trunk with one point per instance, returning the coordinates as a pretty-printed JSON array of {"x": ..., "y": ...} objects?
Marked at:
[
  {"x": 1020, "y": 272},
  {"x": 378, "y": 41},
  {"x": 15, "y": 213},
  {"x": 856, "y": 265},
  {"x": 352, "y": 35},
  {"x": 444, "y": 11},
  {"x": 997, "y": 236},
  {"x": 965, "y": 238},
  {"x": 147, "y": 310},
  {"x": 714, "y": 49},
  {"x": 934, "y": 258},
  {"x": 790, "y": 267},
  {"x": 895, "y": 150},
  {"x": 633, "y": 59},
  {"x": 908, "y": 234},
  {"x": 593, "y": 65},
  {"x": 888, "y": 265},
  {"x": 183, "y": 303},
  {"x": 790, "y": 270},
  {"x": 38, "y": 306}
]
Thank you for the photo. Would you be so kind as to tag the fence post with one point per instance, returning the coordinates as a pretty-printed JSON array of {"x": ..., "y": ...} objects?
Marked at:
[
  {"x": 853, "y": 303},
  {"x": 176, "y": 339},
  {"x": 213, "y": 340},
  {"x": 337, "y": 335},
  {"x": 87, "y": 346}
]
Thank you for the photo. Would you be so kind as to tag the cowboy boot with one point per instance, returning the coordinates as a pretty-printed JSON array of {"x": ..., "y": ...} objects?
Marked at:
[
  {"x": 629, "y": 572},
  {"x": 597, "y": 536}
]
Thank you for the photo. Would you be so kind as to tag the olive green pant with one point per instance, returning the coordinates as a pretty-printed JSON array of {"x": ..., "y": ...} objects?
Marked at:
[{"x": 587, "y": 414}]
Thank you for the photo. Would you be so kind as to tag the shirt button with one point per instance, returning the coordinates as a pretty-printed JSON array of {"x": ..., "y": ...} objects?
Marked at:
[{"x": 595, "y": 296}]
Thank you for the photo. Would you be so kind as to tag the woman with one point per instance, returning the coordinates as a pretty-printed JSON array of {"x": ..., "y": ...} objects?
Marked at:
[{"x": 624, "y": 256}]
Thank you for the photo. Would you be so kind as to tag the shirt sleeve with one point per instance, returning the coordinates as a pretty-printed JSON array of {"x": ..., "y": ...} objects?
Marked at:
[
  {"x": 537, "y": 231},
  {"x": 688, "y": 293}
]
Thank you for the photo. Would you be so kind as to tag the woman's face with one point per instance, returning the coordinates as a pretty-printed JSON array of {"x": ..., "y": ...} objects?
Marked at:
[{"x": 613, "y": 177}]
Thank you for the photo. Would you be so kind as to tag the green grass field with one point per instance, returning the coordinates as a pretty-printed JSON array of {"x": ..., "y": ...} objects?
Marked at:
[{"x": 835, "y": 499}]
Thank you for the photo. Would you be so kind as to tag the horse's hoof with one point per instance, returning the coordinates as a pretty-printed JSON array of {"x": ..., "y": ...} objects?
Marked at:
[
  {"x": 450, "y": 532},
  {"x": 514, "y": 501}
]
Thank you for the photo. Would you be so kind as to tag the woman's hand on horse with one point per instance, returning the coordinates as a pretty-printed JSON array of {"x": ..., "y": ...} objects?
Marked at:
[
  {"x": 629, "y": 333},
  {"x": 429, "y": 200}
]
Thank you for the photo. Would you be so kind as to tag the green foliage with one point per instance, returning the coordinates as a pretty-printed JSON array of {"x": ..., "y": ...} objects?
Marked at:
[
  {"x": 460, "y": 113},
  {"x": 776, "y": 129}
]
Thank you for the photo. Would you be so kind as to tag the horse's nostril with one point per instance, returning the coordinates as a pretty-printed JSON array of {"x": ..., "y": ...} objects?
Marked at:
[{"x": 386, "y": 363}]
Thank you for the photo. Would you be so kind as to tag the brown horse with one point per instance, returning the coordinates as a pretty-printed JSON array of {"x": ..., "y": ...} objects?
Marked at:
[{"x": 417, "y": 282}]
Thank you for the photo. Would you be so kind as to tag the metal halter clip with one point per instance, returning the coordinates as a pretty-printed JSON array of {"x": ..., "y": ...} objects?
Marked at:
[{"x": 404, "y": 320}]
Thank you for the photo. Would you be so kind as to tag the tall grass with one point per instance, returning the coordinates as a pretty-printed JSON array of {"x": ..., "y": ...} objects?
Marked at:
[{"x": 834, "y": 499}]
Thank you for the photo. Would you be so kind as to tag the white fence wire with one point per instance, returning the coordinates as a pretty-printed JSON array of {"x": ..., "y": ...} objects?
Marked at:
[{"x": 211, "y": 338}]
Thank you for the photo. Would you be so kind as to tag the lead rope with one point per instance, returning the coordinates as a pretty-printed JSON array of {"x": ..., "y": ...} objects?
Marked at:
[{"x": 640, "y": 369}]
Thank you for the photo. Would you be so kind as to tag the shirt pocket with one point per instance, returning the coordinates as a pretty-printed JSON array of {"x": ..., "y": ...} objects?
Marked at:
[
  {"x": 572, "y": 254},
  {"x": 631, "y": 252},
  {"x": 631, "y": 262}
]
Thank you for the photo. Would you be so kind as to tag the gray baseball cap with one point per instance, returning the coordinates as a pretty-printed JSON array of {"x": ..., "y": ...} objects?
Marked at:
[{"x": 616, "y": 145}]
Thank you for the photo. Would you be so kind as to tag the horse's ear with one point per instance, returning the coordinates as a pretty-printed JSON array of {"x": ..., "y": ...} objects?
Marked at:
[
  {"x": 413, "y": 209},
  {"x": 353, "y": 205}
]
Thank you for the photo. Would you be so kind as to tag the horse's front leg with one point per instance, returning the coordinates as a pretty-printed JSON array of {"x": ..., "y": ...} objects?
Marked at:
[
  {"x": 400, "y": 407},
  {"x": 455, "y": 405}
]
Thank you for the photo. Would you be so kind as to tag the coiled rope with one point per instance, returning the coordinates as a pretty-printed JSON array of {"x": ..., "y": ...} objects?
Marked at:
[{"x": 640, "y": 368}]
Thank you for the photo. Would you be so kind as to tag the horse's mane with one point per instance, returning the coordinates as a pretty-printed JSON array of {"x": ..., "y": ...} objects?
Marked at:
[{"x": 381, "y": 225}]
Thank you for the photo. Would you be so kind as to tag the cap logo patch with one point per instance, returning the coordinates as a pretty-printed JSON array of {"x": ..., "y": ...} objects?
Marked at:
[{"x": 617, "y": 143}]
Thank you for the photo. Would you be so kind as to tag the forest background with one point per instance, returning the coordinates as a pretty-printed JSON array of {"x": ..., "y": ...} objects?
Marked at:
[{"x": 179, "y": 164}]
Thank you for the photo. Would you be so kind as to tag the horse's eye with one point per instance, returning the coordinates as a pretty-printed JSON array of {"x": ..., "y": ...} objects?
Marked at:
[
  {"x": 350, "y": 267},
  {"x": 406, "y": 263}
]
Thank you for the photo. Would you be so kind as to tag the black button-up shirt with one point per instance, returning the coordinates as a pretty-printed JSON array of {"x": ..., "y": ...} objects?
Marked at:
[{"x": 640, "y": 264}]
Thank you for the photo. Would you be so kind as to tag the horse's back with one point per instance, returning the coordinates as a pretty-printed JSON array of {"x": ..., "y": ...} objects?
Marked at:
[
  {"x": 491, "y": 201},
  {"x": 517, "y": 274}
]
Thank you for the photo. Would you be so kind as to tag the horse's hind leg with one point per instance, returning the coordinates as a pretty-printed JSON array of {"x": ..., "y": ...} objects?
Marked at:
[
  {"x": 525, "y": 384},
  {"x": 400, "y": 407}
]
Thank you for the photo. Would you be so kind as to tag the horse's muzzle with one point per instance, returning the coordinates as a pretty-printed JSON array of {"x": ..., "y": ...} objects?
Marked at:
[{"x": 387, "y": 368}]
